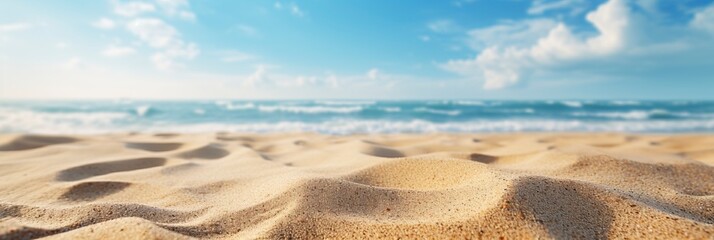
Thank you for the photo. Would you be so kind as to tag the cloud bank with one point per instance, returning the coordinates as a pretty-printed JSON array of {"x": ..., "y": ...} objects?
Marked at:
[{"x": 515, "y": 51}]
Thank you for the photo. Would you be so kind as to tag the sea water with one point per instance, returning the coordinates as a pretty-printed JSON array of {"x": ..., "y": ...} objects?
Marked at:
[{"x": 356, "y": 116}]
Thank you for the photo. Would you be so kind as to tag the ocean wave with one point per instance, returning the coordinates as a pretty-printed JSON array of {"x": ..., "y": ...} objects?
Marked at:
[
  {"x": 635, "y": 114},
  {"x": 391, "y": 109},
  {"x": 309, "y": 109},
  {"x": 437, "y": 111},
  {"x": 625, "y": 103},
  {"x": 21, "y": 120},
  {"x": 469, "y": 103},
  {"x": 27, "y": 121},
  {"x": 230, "y": 106},
  {"x": 143, "y": 110},
  {"x": 572, "y": 104},
  {"x": 339, "y": 103},
  {"x": 421, "y": 126}
]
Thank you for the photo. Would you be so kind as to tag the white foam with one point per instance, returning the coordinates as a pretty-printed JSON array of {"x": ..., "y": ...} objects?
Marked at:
[
  {"x": 231, "y": 106},
  {"x": 630, "y": 115},
  {"x": 469, "y": 103},
  {"x": 437, "y": 111},
  {"x": 21, "y": 120},
  {"x": 625, "y": 103},
  {"x": 420, "y": 126},
  {"x": 391, "y": 109},
  {"x": 142, "y": 110},
  {"x": 573, "y": 104},
  {"x": 339, "y": 103},
  {"x": 309, "y": 109}
]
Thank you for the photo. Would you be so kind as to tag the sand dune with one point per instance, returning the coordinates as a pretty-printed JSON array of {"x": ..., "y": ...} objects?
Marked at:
[{"x": 225, "y": 185}]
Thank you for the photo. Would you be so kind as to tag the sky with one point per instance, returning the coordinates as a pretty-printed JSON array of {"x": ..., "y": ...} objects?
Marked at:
[{"x": 354, "y": 49}]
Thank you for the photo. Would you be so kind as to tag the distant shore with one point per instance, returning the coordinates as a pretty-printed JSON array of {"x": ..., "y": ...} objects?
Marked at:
[{"x": 308, "y": 185}]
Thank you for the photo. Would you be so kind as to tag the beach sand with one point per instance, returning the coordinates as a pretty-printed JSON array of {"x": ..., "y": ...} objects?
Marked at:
[{"x": 435, "y": 186}]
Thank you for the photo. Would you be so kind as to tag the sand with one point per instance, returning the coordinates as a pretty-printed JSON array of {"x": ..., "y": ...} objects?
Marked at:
[{"x": 435, "y": 186}]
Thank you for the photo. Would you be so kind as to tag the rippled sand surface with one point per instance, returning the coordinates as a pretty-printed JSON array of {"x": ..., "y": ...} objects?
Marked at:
[{"x": 226, "y": 185}]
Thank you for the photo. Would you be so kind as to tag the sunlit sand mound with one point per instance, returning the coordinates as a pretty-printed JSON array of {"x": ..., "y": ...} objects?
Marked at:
[{"x": 438, "y": 186}]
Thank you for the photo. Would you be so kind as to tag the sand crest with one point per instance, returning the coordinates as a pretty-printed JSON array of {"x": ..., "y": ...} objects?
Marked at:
[{"x": 224, "y": 185}]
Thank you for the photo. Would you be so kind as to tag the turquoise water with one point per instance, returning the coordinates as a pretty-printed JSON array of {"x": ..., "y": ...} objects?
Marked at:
[{"x": 346, "y": 117}]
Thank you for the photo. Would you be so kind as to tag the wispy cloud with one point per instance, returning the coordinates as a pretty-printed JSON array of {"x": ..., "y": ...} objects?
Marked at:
[
  {"x": 165, "y": 38},
  {"x": 118, "y": 51},
  {"x": 246, "y": 30},
  {"x": 257, "y": 77},
  {"x": 542, "y": 6},
  {"x": 131, "y": 9},
  {"x": 373, "y": 74},
  {"x": 511, "y": 33},
  {"x": 12, "y": 27},
  {"x": 704, "y": 19},
  {"x": 295, "y": 10},
  {"x": 104, "y": 23},
  {"x": 236, "y": 56},
  {"x": 443, "y": 26},
  {"x": 179, "y": 8}
]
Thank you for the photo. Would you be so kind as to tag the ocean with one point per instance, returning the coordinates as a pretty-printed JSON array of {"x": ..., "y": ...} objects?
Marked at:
[{"x": 350, "y": 117}]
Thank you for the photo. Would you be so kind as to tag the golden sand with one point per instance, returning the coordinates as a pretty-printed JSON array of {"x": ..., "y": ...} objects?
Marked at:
[{"x": 438, "y": 186}]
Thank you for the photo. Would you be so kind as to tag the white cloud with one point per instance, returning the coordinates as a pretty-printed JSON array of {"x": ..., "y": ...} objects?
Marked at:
[
  {"x": 332, "y": 81},
  {"x": 443, "y": 26},
  {"x": 304, "y": 80},
  {"x": 373, "y": 74},
  {"x": 295, "y": 10},
  {"x": 511, "y": 33},
  {"x": 265, "y": 77},
  {"x": 162, "y": 36},
  {"x": 425, "y": 38},
  {"x": 131, "y": 9},
  {"x": 12, "y": 27},
  {"x": 155, "y": 32},
  {"x": 542, "y": 6},
  {"x": 178, "y": 8},
  {"x": 626, "y": 44},
  {"x": 258, "y": 76},
  {"x": 704, "y": 19},
  {"x": 504, "y": 66},
  {"x": 118, "y": 51},
  {"x": 104, "y": 23}
]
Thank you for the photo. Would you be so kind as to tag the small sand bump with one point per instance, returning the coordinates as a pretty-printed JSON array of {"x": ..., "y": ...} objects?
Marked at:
[
  {"x": 210, "y": 152},
  {"x": 167, "y": 135},
  {"x": 383, "y": 152},
  {"x": 154, "y": 147},
  {"x": 102, "y": 168},
  {"x": 88, "y": 191},
  {"x": 482, "y": 158},
  {"x": 29, "y": 142}
]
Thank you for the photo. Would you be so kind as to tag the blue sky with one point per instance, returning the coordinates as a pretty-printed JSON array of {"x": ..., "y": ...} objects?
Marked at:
[{"x": 510, "y": 49}]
